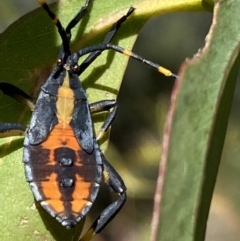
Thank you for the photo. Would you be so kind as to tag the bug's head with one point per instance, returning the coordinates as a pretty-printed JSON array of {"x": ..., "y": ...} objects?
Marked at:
[
  {"x": 69, "y": 64},
  {"x": 64, "y": 57}
]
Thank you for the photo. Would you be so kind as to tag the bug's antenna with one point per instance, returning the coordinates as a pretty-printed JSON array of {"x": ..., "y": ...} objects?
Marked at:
[
  {"x": 61, "y": 30},
  {"x": 81, "y": 13}
]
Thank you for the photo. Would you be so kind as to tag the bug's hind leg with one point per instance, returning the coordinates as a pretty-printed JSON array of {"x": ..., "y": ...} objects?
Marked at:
[
  {"x": 17, "y": 94},
  {"x": 105, "y": 105},
  {"x": 115, "y": 182}
]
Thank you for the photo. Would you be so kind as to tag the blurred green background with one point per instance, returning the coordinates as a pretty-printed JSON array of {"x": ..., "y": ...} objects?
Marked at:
[{"x": 134, "y": 148}]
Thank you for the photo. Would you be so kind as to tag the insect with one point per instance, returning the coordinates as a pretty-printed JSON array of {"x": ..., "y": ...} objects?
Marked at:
[{"x": 63, "y": 163}]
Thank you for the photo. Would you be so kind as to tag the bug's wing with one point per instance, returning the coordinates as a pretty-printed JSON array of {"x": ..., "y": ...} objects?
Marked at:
[
  {"x": 43, "y": 119},
  {"x": 82, "y": 125},
  {"x": 81, "y": 121}
]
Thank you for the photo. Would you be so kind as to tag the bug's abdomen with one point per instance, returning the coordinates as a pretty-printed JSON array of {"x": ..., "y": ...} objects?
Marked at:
[{"x": 63, "y": 177}]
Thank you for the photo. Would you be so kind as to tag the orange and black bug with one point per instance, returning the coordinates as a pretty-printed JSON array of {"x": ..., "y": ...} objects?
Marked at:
[{"x": 62, "y": 159}]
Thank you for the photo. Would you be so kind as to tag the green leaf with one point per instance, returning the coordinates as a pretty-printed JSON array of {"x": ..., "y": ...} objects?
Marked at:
[
  {"x": 29, "y": 49},
  {"x": 195, "y": 130}
]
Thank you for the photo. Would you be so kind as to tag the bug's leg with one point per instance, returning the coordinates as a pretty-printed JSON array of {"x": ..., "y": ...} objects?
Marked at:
[
  {"x": 115, "y": 182},
  {"x": 111, "y": 33},
  {"x": 12, "y": 129},
  {"x": 17, "y": 94},
  {"x": 105, "y": 105}
]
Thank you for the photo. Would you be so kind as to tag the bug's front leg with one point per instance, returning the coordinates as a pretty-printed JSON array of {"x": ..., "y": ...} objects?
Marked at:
[
  {"x": 17, "y": 94},
  {"x": 12, "y": 129},
  {"x": 115, "y": 182}
]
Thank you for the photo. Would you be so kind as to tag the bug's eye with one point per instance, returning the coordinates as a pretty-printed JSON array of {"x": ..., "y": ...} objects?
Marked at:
[
  {"x": 76, "y": 68},
  {"x": 59, "y": 62}
]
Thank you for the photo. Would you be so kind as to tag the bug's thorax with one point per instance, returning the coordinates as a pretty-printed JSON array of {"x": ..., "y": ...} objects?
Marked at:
[{"x": 65, "y": 100}]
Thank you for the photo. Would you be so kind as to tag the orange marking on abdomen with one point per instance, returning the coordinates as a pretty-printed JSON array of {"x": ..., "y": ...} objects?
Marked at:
[
  {"x": 79, "y": 205},
  {"x": 82, "y": 190},
  {"x": 50, "y": 188},
  {"x": 56, "y": 205},
  {"x": 67, "y": 200},
  {"x": 61, "y": 135}
]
